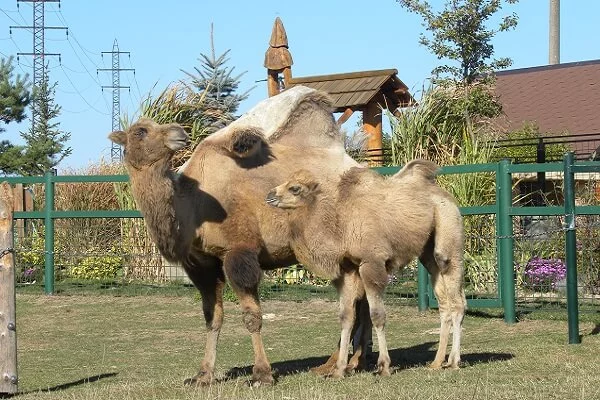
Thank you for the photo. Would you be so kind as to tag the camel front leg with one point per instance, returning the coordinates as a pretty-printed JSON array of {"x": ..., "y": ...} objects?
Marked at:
[
  {"x": 349, "y": 287},
  {"x": 243, "y": 271},
  {"x": 210, "y": 281},
  {"x": 374, "y": 278},
  {"x": 361, "y": 339}
]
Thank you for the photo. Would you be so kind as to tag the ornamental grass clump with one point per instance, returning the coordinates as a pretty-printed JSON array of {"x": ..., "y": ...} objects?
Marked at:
[{"x": 543, "y": 274}]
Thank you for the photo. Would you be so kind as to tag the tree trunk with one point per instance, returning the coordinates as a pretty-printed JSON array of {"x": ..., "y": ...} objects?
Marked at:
[{"x": 8, "y": 333}]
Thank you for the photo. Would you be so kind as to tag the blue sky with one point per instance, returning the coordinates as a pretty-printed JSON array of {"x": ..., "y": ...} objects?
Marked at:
[{"x": 325, "y": 37}]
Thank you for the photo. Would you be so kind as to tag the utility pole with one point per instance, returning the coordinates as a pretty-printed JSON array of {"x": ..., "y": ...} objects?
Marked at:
[
  {"x": 38, "y": 28},
  {"x": 116, "y": 153},
  {"x": 554, "y": 33}
]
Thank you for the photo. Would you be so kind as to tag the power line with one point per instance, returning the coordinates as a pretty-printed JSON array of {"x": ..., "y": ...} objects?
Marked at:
[
  {"x": 81, "y": 95},
  {"x": 11, "y": 18}
]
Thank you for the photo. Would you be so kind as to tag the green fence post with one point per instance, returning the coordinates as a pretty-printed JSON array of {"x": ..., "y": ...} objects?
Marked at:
[
  {"x": 505, "y": 241},
  {"x": 571, "y": 250},
  {"x": 422, "y": 283},
  {"x": 49, "y": 233}
]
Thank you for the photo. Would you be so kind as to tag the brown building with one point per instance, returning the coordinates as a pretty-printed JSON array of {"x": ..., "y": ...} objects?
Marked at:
[{"x": 561, "y": 98}]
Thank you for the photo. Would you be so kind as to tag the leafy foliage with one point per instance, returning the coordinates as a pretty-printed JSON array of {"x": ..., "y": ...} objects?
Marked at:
[
  {"x": 461, "y": 34},
  {"x": 104, "y": 266},
  {"x": 528, "y": 135}
]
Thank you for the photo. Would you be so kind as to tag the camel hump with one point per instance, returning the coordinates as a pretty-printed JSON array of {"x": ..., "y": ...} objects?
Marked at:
[
  {"x": 355, "y": 177},
  {"x": 423, "y": 168}
]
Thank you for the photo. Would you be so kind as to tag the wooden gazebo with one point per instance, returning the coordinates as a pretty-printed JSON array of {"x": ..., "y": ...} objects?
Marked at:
[{"x": 366, "y": 91}]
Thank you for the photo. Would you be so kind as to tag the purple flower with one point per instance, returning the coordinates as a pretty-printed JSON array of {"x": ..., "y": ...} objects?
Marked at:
[
  {"x": 544, "y": 273},
  {"x": 29, "y": 272}
]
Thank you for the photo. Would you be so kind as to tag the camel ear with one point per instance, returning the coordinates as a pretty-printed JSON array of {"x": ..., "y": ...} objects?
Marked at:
[
  {"x": 177, "y": 137},
  {"x": 314, "y": 187},
  {"x": 119, "y": 137},
  {"x": 246, "y": 142}
]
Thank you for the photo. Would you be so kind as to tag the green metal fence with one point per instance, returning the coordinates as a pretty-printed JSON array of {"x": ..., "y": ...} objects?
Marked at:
[{"x": 494, "y": 278}]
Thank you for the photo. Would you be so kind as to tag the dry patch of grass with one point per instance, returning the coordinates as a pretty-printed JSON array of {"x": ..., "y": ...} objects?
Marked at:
[{"x": 83, "y": 347}]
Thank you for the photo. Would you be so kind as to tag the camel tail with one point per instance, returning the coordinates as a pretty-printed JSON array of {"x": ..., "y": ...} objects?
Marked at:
[{"x": 424, "y": 168}]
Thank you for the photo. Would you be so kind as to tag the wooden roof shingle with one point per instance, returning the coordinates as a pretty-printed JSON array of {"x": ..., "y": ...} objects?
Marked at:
[{"x": 356, "y": 89}]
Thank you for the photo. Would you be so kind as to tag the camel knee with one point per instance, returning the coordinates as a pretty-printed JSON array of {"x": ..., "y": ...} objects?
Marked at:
[
  {"x": 377, "y": 316},
  {"x": 252, "y": 321}
]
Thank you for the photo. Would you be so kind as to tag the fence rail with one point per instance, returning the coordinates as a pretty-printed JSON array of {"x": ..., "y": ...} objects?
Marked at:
[{"x": 501, "y": 214}]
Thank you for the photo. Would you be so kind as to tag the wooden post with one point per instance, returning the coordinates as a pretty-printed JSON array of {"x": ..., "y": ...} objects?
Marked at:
[
  {"x": 278, "y": 59},
  {"x": 372, "y": 125},
  {"x": 8, "y": 333}
]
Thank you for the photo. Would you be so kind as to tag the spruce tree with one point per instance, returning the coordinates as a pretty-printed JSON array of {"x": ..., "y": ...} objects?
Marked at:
[
  {"x": 14, "y": 94},
  {"x": 218, "y": 84},
  {"x": 14, "y": 99},
  {"x": 45, "y": 144}
]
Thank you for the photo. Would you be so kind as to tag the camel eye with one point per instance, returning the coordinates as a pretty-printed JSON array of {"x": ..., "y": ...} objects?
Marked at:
[
  {"x": 295, "y": 189},
  {"x": 141, "y": 132}
]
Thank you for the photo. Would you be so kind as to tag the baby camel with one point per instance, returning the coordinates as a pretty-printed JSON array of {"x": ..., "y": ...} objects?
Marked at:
[{"x": 369, "y": 227}]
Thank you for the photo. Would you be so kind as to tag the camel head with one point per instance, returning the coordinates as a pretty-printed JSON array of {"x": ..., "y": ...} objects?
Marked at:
[
  {"x": 300, "y": 190},
  {"x": 146, "y": 142}
]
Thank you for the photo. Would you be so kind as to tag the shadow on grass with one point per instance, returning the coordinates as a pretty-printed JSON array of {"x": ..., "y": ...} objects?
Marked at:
[
  {"x": 64, "y": 386},
  {"x": 411, "y": 357}
]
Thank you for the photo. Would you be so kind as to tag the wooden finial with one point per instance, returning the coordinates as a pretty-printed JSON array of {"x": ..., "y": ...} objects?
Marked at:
[
  {"x": 278, "y": 35},
  {"x": 278, "y": 56}
]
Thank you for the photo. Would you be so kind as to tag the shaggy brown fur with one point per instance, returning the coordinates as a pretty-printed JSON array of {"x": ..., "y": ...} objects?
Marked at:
[
  {"x": 212, "y": 217},
  {"x": 377, "y": 225}
]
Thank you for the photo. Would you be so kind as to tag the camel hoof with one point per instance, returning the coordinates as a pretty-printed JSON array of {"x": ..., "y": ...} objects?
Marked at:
[
  {"x": 261, "y": 378},
  {"x": 383, "y": 371},
  {"x": 435, "y": 366},
  {"x": 324, "y": 370},
  {"x": 453, "y": 366},
  {"x": 336, "y": 374},
  {"x": 352, "y": 367},
  {"x": 201, "y": 379}
]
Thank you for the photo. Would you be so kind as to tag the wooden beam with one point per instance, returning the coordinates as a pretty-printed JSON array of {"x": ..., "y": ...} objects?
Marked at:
[
  {"x": 287, "y": 76},
  {"x": 345, "y": 115},
  {"x": 8, "y": 333},
  {"x": 272, "y": 83},
  {"x": 372, "y": 126}
]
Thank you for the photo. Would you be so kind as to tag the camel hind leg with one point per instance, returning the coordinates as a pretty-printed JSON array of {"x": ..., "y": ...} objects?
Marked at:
[{"x": 444, "y": 262}]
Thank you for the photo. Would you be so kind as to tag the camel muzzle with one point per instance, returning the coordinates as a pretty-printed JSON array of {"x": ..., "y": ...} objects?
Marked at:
[{"x": 272, "y": 199}]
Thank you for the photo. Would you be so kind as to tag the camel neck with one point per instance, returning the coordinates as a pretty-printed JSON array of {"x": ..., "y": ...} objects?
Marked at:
[
  {"x": 315, "y": 234},
  {"x": 154, "y": 189}
]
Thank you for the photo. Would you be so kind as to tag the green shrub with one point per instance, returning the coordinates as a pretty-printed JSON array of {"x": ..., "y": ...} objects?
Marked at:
[
  {"x": 107, "y": 266},
  {"x": 529, "y": 134}
]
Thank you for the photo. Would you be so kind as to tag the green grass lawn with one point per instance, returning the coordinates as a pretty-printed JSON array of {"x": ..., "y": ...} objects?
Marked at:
[{"x": 143, "y": 347}]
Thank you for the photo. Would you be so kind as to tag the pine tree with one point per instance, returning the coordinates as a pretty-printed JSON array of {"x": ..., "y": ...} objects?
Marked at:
[
  {"x": 45, "y": 143},
  {"x": 219, "y": 85},
  {"x": 14, "y": 99},
  {"x": 14, "y": 94}
]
